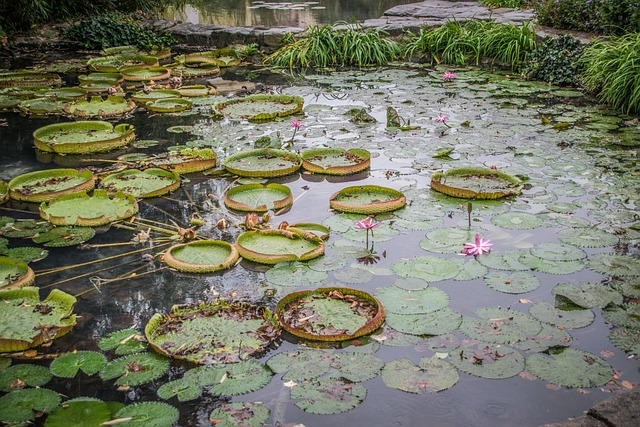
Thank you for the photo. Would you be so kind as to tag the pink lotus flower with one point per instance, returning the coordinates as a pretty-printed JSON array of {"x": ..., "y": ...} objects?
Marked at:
[
  {"x": 296, "y": 124},
  {"x": 442, "y": 119},
  {"x": 367, "y": 223},
  {"x": 494, "y": 167},
  {"x": 479, "y": 247},
  {"x": 448, "y": 76}
]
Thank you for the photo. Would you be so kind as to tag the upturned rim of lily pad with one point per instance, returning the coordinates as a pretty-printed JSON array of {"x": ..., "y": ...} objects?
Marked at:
[
  {"x": 397, "y": 201},
  {"x": 363, "y": 161},
  {"x": 296, "y": 102},
  {"x": 42, "y": 194},
  {"x": 193, "y": 91},
  {"x": 231, "y": 203},
  {"x": 366, "y": 329},
  {"x": 192, "y": 160},
  {"x": 172, "y": 259},
  {"x": 271, "y": 258},
  {"x": 123, "y": 134},
  {"x": 142, "y": 74},
  {"x": 4, "y": 192},
  {"x": 112, "y": 106},
  {"x": 142, "y": 98},
  {"x": 26, "y": 278},
  {"x": 287, "y": 155},
  {"x": 169, "y": 105},
  {"x": 109, "y": 63},
  {"x": 172, "y": 177},
  {"x": 21, "y": 78},
  {"x": 181, "y": 70},
  {"x": 513, "y": 184}
]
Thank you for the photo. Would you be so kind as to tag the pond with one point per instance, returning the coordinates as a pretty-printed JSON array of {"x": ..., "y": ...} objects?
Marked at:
[
  {"x": 281, "y": 14},
  {"x": 568, "y": 233}
]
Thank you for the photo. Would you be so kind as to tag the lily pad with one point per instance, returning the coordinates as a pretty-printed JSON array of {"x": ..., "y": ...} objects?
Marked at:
[
  {"x": 517, "y": 282},
  {"x": 26, "y": 254},
  {"x": 242, "y": 378},
  {"x": 68, "y": 365},
  {"x": 113, "y": 63},
  {"x": 567, "y": 319},
  {"x": 517, "y": 221},
  {"x": 367, "y": 199},
  {"x": 587, "y": 237},
  {"x": 326, "y": 396},
  {"x": 203, "y": 256},
  {"x": 135, "y": 369},
  {"x": 260, "y": 107},
  {"x": 476, "y": 183},
  {"x": 142, "y": 97},
  {"x": 614, "y": 265},
  {"x": 438, "y": 322},
  {"x": 49, "y": 184},
  {"x": 263, "y": 163},
  {"x": 152, "y": 182},
  {"x": 144, "y": 74},
  {"x": 218, "y": 332},
  {"x": 485, "y": 360},
  {"x": 240, "y": 414},
  {"x": 295, "y": 274},
  {"x": 184, "y": 389},
  {"x": 186, "y": 160},
  {"x": 19, "y": 405},
  {"x": 626, "y": 315},
  {"x": 63, "y": 94},
  {"x": 571, "y": 368},
  {"x": 124, "y": 341},
  {"x": 330, "y": 314},
  {"x": 587, "y": 294},
  {"x": 169, "y": 105},
  {"x": 258, "y": 197},
  {"x": 96, "y": 106},
  {"x": 626, "y": 339},
  {"x": 21, "y": 78},
  {"x": 15, "y": 274},
  {"x": 42, "y": 106},
  {"x": 148, "y": 414},
  {"x": 430, "y": 375},
  {"x": 355, "y": 366},
  {"x": 335, "y": 161},
  {"x": 548, "y": 337},
  {"x": 401, "y": 301},
  {"x": 500, "y": 325},
  {"x": 82, "y": 412},
  {"x": 301, "y": 365},
  {"x": 64, "y": 236},
  {"x": 558, "y": 252},
  {"x": 23, "y": 375},
  {"x": 274, "y": 245},
  {"x": 83, "y": 137},
  {"x": 82, "y": 210},
  {"x": 427, "y": 268},
  {"x": 52, "y": 318}
]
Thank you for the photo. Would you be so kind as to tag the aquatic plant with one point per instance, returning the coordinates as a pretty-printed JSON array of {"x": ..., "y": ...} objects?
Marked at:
[
  {"x": 478, "y": 247},
  {"x": 367, "y": 224}
]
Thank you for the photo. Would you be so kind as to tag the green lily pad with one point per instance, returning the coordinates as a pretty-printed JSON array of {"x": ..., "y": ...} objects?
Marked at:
[
  {"x": 112, "y": 106},
  {"x": 142, "y": 74},
  {"x": 552, "y": 267},
  {"x": 500, "y": 325},
  {"x": 19, "y": 405},
  {"x": 335, "y": 161},
  {"x": 427, "y": 268},
  {"x": 242, "y": 378},
  {"x": 367, "y": 199},
  {"x": 169, "y": 105},
  {"x": 567, "y": 319},
  {"x": 83, "y": 137},
  {"x": 135, "y": 369},
  {"x": 203, "y": 256},
  {"x": 476, "y": 183},
  {"x": 219, "y": 332},
  {"x": 614, "y": 265},
  {"x": 295, "y": 274},
  {"x": 587, "y": 294},
  {"x": 263, "y": 163},
  {"x": 558, "y": 252},
  {"x": 439, "y": 322},
  {"x": 517, "y": 282},
  {"x": 184, "y": 389},
  {"x": 42, "y": 106},
  {"x": 26, "y": 254},
  {"x": 430, "y": 375},
  {"x": 447, "y": 240},
  {"x": 301, "y": 365},
  {"x": 64, "y": 236},
  {"x": 185, "y": 160},
  {"x": 485, "y": 360},
  {"x": 89, "y": 211},
  {"x": 627, "y": 315},
  {"x": 325, "y": 396},
  {"x": 258, "y": 197},
  {"x": 63, "y": 94},
  {"x": 401, "y": 301},
  {"x": 28, "y": 228},
  {"x": 21, "y": 78},
  {"x": 152, "y": 182},
  {"x": 113, "y": 63},
  {"x": 626, "y": 339},
  {"x": 124, "y": 341},
  {"x": 80, "y": 413},
  {"x": 260, "y": 107},
  {"x": 24, "y": 375},
  {"x": 68, "y": 365},
  {"x": 148, "y": 414},
  {"x": 548, "y": 337},
  {"x": 14, "y": 274},
  {"x": 273, "y": 246},
  {"x": 571, "y": 368},
  {"x": 240, "y": 414},
  {"x": 355, "y": 366},
  {"x": 517, "y": 221},
  {"x": 143, "y": 97}
]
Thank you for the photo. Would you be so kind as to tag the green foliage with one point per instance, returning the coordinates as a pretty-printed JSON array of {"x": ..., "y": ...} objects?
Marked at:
[
  {"x": 116, "y": 29},
  {"x": 601, "y": 16},
  {"x": 611, "y": 71},
  {"x": 461, "y": 43},
  {"x": 335, "y": 45},
  {"x": 513, "y": 4},
  {"x": 556, "y": 60}
]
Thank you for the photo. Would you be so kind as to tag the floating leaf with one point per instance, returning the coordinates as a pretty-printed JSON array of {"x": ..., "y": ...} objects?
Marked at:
[
  {"x": 21, "y": 376},
  {"x": 296, "y": 273},
  {"x": 428, "y": 268},
  {"x": 30, "y": 228},
  {"x": 301, "y": 365},
  {"x": 242, "y": 378},
  {"x": 471, "y": 270},
  {"x": 26, "y": 254},
  {"x": 558, "y": 252},
  {"x": 431, "y": 375},
  {"x": 476, "y": 183},
  {"x": 64, "y": 236},
  {"x": 148, "y": 414},
  {"x": 18, "y": 405},
  {"x": 135, "y": 369},
  {"x": 151, "y": 182},
  {"x": 517, "y": 282},
  {"x": 548, "y": 337},
  {"x": 411, "y": 283},
  {"x": 571, "y": 368},
  {"x": 81, "y": 412},
  {"x": 367, "y": 199},
  {"x": 353, "y": 275},
  {"x": 400, "y": 301},
  {"x": 438, "y": 322},
  {"x": 258, "y": 197},
  {"x": 240, "y": 414},
  {"x": 68, "y": 365},
  {"x": 89, "y": 211},
  {"x": 263, "y": 163},
  {"x": 260, "y": 107},
  {"x": 587, "y": 237},
  {"x": 569, "y": 319},
  {"x": 553, "y": 267},
  {"x": 517, "y": 221},
  {"x": 587, "y": 294},
  {"x": 201, "y": 256},
  {"x": 124, "y": 341},
  {"x": 327, "y": 396},
  {"x": 615, "y": 265},
  {"x": 272, "y": 246},
  {"x": 627, "y": 315},
  {"x": 487, "y": 360},
  {"x": 355, "y": 366},
  {"x": 626, "y": 339},
  {"x": 184, "y": 389},
  {"x": 500, "y": 325}
]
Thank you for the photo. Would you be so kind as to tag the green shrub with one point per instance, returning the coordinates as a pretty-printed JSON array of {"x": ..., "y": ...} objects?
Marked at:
[
  {"x": 513, "y": 4},
  {"x": 602, "y": 16},
  {"x": 612, "y": 71},
  {"x": 335, "y": 45},
  {"x": 115, "y": 29},
  {"x": 555, "y": 60}
]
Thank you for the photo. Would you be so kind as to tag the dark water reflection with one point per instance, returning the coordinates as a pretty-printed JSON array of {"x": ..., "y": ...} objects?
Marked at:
[{"x": 249, "y": 13}]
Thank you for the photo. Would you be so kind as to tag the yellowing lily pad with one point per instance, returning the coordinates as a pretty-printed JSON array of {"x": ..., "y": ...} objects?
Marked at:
[
  {"x": 335, "y": 161},
  {"x": 152, "y": 182},
  {"x": 475, "y": 183},
  {"x": 83, "y": 137},
  {"x": 367, "y": 199}
]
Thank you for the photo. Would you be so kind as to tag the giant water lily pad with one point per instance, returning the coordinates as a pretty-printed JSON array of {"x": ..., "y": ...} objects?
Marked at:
[
  {"x": 135, "y": 369},
  {"x": 326, "y": 396},
  {"x": 500, "y": 325},
  {"x": 83, "y": 210},
  {"x": 49, "y": 184},
  {"x": 83, "y": 137},
  {"x": 430, "y": 375},
  {"x": 476, "y": 183},
  {"x": 263, "y": 163},
  {"x": 144, "y": 74},
  {"x": 274, "y": 246},
  {"x": 21, "y": 78},
  {"x": 142, "y": 97},
  {"x": 402, "y": 301},
  {"x": 367, "y": 199},
  {"x": 258, "y": 197},
  {"x": 335, "y": 161},
  {"x": 330, "y": 314},
  {"x": 14, "y": 274},
  {"x": 240, "y": 414},
  {"x": 260, "y": 107},
  {"x": 29, "y": 322},
  {"x": 203, "y": 256},
  {"x": 112, "y": 106},
  {"x": 42, "y": 106},
  {"x": 169, "y": 105},
  {"x": 63, "y": 93},
  {"x": 185, "y": 71},
  {"x": 152, "y": 182},
  {"x": 19, "y": 405},
  {"x": 487, "y": 360},
  {"x": 113, "y": 63},
  {"x": 186, "y": 160},
  {"x": 570, "y": 368},
  {"x": 219, "y": 332}
]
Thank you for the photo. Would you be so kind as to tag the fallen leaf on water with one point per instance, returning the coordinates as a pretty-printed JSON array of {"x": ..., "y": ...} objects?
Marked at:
[
  {"x": 524, "y": 301},
  {"x": 553, "y": 387},
  {"x": 606, "y": 354},
  {"x": 527, "y": 376},
  {"x": 582, "y": 391},
  {"x": 290, "y": 384},
  {"x": 627, "y": 385}
]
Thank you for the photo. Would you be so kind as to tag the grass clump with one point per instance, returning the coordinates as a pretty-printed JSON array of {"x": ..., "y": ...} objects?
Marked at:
[
  {"x": 513, "y": 4},
  {"x": 335, "y": 45},
  {"x": 612, "y": 71}
]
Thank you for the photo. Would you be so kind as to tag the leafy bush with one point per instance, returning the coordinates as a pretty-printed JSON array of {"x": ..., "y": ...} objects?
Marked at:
[
  {"x": 555, "y": 60},
  {"x": 115, "y": 29},
  {"x": 602, "y": 16},
  {"x": 335, "y": 45},
  {"x": 513, "y": 4},
  {"x": 458, "y": 43},
  {"x": 612, "y": 70}
]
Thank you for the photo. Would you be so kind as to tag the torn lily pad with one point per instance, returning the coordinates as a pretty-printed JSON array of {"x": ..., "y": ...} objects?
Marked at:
[
  {"x": 325, "y": 396},
  {"x": 567, "y": 319},
  {"x": 430, "y": 375},
  {"x": 240, "y": 414},
  {"x": 548, "y": 337},
  {"x": 184, "y": 389},
  {"x": 587, "y": 294},
  {"x": 500, "y": 325},
  {"x": 626, "y": 339},
  {"x": 135, "y": 369},
  {"x": 355, "y": 366},
  {"x": 571, "y": 368},
  {"x": 625, "y": 315},
  {"x": 68, "y": 365},
  {"x": 486, "y": 360},
  {"x": 614, "y": 265}
]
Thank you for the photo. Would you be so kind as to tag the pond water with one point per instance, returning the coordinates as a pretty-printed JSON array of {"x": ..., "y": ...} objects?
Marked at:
[
  {"x": 300, "y": 14},
  {"x": 581, "y": 194}
]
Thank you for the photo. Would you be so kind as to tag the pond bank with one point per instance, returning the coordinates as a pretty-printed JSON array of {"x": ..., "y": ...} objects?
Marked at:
[{"x": 619, "y": 411}]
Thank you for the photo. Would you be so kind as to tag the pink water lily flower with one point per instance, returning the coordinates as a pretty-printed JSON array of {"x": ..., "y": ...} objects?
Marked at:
[
  {"x": 367, "y": 223},
  {"x": 441, "y": 118},
  {"x": 479, "y": 247},
  {"x": 448, "y": 76},
  {"x": 296, "y": 124}
]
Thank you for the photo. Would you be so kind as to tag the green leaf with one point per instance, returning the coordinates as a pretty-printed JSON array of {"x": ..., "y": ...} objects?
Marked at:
[
  {"x": 68, "y": 365},
  {"x": 124, "y": 341},
  {"x": 615, "y": 265},
  {"x": 517, "y": 282},
  {"x": 626, "y": 315},
  {"x": 438, "y": 322},
  {"x": 79, "y": 413},
  {"x": 64, "y": 236},
  {"x": 558, "y": 252},
  {"x": 500, "y": 325},
  {"x": 18, "y": 405},
  {"x": 26, "y": 254},
  {"x": 487, "y": 360},
  {"x": 184, "y": 389},
  {"x": 327, "y": 396},
  {"x": 242, "y": 378},
  {"x": 240, "y": 414},
  {"x": 19, "y": 376},
  {"x": 548, "y": 337},
  {"x": 431, "y": 375},
  {"x": 571, "y": 368},
  {"x": 517, "y": 221},
  {"x": 355, "y": 366},
  {"x": 626, "y": 339},
  {"x": 587, "y": 237},
  {"x": 428, "y": 268},
  {"x": 587, "y": 294},
  {"x": 300, "y": 365},
  {"x": 148, "y": 414},
  {"x": 401, "y": 301},
  {"x": 567, "y": 319},
  {"x": 135, "y": 369}
]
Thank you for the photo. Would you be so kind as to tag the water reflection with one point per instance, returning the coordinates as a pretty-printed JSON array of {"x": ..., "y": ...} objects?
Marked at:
[{"x": 248, "y": 13}]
